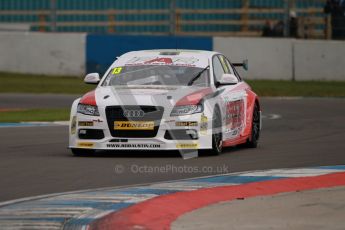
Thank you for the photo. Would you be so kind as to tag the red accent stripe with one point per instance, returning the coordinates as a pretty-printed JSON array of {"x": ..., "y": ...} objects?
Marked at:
[
  {"x": 158, "y": 213},
  {"x": 237, "y": 141},
  {"x": 195, "y": 97},
  {"x": 89, "y": 98}
]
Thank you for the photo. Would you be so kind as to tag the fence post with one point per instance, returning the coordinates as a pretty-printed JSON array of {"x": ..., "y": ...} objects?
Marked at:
[
  {"x": 309, "y": 24},
  {"x": 287, "y": 18},
  {"x": 42, "y": 22},
  {"x": 328, "y": 27},
  {"x": 177, "y": 23},
  {"x": 52, "y": 15},
  {"x": 173, "y": 17},
  {"x": 111, "y": 21},
  {"x": 245, "y": 15}
]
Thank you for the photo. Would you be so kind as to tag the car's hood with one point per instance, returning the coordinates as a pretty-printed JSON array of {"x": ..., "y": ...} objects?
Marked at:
[{"x": 144, "y": 95}]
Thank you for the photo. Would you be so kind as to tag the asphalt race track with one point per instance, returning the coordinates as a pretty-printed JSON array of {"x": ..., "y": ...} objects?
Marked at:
[{"x": 36, "y": 161}]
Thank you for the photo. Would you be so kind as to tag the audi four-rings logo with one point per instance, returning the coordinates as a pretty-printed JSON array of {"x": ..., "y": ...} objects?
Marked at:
[{"x": 133, "y": 113}]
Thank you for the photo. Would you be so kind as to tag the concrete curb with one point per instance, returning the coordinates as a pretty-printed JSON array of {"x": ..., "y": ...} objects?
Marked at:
[{"x": 79, "y": 210}]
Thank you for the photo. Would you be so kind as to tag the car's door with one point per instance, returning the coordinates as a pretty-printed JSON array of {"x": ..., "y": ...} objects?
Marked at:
[{"x": 232, "y": 99}]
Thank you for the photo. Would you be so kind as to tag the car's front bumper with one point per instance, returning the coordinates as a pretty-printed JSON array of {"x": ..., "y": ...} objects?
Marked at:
[{"x": 199, "y": 123}]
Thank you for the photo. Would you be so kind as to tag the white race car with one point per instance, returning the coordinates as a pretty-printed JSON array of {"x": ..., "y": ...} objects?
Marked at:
[{"x": 166, "y": 100}]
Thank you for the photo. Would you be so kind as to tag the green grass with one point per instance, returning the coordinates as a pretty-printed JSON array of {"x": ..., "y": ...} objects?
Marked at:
[
  {"x": 35, "y": 115},
  {"x": 298, "y": 88},
  {"x": 20, "y": 83}
]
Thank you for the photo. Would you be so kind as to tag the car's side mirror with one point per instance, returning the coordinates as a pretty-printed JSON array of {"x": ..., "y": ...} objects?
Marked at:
[
  {"x": 228, "y": 79},
  {"x": 92, "y": 78},
  {"x": 244, "y": 64}
]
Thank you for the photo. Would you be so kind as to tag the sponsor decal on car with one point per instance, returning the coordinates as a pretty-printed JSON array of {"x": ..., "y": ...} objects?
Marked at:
[
  {"x": 127, "y": 145},
  {"x": 234, "y": 118},
  {"x": 187, "y": 145},
  {"x": 97, "y": 121},
  {"x": 85, "y": 123},
  {"x": 74, "y": 125},
  {"x": 85, "y": 144},
  {"x": 178, "y": 61},
  {"x": 186, "y": 123},
  {"x": 134, "y": 125},
  {"x": 203, "y": 124}
]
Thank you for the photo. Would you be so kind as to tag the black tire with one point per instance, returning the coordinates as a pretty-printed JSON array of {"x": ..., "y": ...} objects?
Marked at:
[
  {"x": 217, "y": 142},
  {"x": 252, "y": 142},
  {"x": 82, "y": 152}
]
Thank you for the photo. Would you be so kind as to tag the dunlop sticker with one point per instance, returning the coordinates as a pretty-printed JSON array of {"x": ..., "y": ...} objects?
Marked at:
[{"x": 134, "y": 125}]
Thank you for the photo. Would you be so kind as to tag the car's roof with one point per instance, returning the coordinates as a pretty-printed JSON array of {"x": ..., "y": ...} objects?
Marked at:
[
  {"x": 198, "y": 58},
  {"x": 181, "y": 51},
  {"x": 177, "y": 52}
]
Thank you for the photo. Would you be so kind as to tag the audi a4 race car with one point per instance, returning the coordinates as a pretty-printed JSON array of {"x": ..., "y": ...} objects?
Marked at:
[{"x": 166, "y": 100}]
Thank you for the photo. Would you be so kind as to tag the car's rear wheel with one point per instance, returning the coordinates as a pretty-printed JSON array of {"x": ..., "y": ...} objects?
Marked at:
[
  {"x": 255, "y": 133},
  {"x": 82, "y": 152},
  {"x": 217, "y": 138}
]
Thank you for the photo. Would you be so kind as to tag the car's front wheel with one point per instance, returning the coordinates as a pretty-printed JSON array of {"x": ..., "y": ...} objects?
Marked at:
[
  {"x": 255, "y": 133},
  {"x": 82, "y": 152},
  {"x": 217, "y": 138}
]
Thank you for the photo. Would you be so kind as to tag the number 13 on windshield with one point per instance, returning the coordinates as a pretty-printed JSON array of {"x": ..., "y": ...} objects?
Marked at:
[{"x": 117, "y": 70}]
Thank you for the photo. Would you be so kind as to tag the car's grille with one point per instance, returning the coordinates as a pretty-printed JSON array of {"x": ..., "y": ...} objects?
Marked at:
[{"x": 151, "y": 114}]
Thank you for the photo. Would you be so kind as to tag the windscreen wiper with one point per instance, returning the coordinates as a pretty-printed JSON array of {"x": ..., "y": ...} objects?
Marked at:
[{"x": 197, "y": 76}]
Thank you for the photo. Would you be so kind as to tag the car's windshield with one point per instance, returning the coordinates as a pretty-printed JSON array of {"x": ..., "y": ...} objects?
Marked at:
[{"x": 156, "y": 75}]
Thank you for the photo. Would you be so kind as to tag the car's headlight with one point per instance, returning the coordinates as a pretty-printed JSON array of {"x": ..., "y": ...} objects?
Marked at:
[
  {"x": 91, "y": 110},
  {"x": 186, "y": 110}
]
